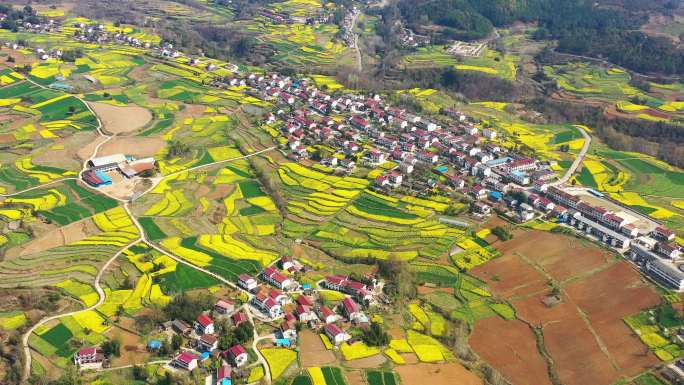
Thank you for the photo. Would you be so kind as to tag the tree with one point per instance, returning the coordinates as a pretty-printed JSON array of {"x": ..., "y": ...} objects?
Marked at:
[
  {"x": 244, "y": 332},
  {"x": 401, "y": 280},
  {"x": 111, "y": 347},
  {"x": 375, "y": 335},
  {"x": 139, "y": 373},
  {"x": 176, "y": 342},
  {"x": 502, "y": 233}
]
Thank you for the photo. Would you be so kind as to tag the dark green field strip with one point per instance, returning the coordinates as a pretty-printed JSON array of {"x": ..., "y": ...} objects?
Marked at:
[
  {"x": 13, "y": 177},
  {"x": 159, "y": 126},
  {"x": 251, "y": 189},
  {"x": 153, "y": 231},
  {"x": 333, "y": 376},
  {"x": 566, "y": 136},
  {"x": 302, "y": 380},
  {"x": 185, "y": 278},
  {"x": 57, "y": 336},
  {"x": 251, "y": 210},
  {"x": 380, "y": 378},
  {"x": 63, "y": 110},
  {"x": 17, "y": 90},
  {"x": 373, "y": 205},
  {"x": 224, "y": 265},
  {"x": 586, "y": 179}
]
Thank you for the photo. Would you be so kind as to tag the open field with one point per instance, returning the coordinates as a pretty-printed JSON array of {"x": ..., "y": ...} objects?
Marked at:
[
  {"x": 443, "y": 374},
  {"x": 597, "y": 291},
  {"x": 121, "y": 120},
  {"x": 313, "y": 352},
  {"x": 516, "y": 355}
]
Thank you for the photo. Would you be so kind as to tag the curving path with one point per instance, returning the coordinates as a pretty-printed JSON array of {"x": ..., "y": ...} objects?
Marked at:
[
  {"x": 100, "y": 301},
  {"x": 142, "y": 238},
  {"x": 580, "y": 158}
]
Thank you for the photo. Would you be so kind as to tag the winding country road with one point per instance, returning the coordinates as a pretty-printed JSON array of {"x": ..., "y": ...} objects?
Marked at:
[
  {"x": 142, "y": 238},
  {"x": 580, "y": 158},
  {"x": 100, "y": 301}
]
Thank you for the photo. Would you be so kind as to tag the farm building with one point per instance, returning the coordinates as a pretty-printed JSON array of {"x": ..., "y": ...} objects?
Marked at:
[
  {"x": 96, "y": 178},
  {"x": 133, "y": 168},
  {"x": 107, "y": 163}
]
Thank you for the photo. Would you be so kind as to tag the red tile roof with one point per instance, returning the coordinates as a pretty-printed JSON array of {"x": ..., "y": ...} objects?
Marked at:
[{"x": 204, "y": 320}]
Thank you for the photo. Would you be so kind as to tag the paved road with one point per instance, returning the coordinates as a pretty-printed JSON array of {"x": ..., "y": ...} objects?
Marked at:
[{"x": 580, "y": 157}]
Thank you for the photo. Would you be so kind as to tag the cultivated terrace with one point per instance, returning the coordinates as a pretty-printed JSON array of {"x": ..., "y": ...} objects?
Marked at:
[{"x": 171, "y": 215}]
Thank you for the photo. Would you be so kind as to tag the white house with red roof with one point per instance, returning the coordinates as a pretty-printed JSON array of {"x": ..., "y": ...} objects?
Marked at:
[
  {"x": 246, "y": 282},
  {"x": 224, "y": 375},
  {"x": 663, "y": 233},
  {"x": 204, "y": 324},
  {"x": 335, "y": 282},
  {"x": 670, "y": 250},
  {"x": 238, "y": 355},
  {"x": 336, "y": 334},
  {"x": 305, "y": 300},
  {"x": 207, "y": 343},
  {"x": 328, "y": 316},
  {"x": 305, "y": 313},
  {"x": 278, "y": 296},
  {"x": 289, "y": 329},
  {"x": 267, "y": 305},
  {"x": 350, "y": 309},
  {"x": 186, "y": 360},
  {"x": 224, "y": 307},
  {"x": 276, "y": 278},
  {"x": 89, "y": 358},
  {"x": 239, "y": 318}
]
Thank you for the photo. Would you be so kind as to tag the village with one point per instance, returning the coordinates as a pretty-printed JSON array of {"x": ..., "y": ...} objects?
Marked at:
[
  {"x": 454, "y": 154},
  {"x": 276, "y": 300}
]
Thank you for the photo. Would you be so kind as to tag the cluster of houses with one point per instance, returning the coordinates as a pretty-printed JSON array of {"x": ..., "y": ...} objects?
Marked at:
[
  {"x": 97, "y": 173},
  {"x": 204, "y": 341},
  {"x": 410, "y": 39},
  {"x": 98, "y": 33}
]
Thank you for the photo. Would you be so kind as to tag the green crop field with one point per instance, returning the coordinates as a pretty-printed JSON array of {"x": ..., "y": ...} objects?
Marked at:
[{"x": 333, "y": 376}]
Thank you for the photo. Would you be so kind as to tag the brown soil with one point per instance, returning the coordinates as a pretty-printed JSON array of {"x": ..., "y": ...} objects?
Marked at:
[
  {"x": 86, "y": 151},
  {"x": 355, "y": 377},
  {"x": 51, "y": 371},
  {"x": 366, "y": 363},
  {"x": 437, "y": 374},
  {"x": 607, "y": 297},
  {"x": 118, "y": 119},
  {"x": 313, "y": 352},
  {"x": 70, "y": 233},
  {"x": 427, "y": 290},
  {"x": 509, "y": 275},
  {"x": 220, "y": 191},
  {"x": 515, "y": 355},
  {"x": 598, "y": 291},
  {"x": 410, "y": 358},
  {"x": 135, "y": 146},
  {"x": 132, "y": 348},
  {"x": 6, "y": 138},
  {"x": 70, "y": 158}
]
